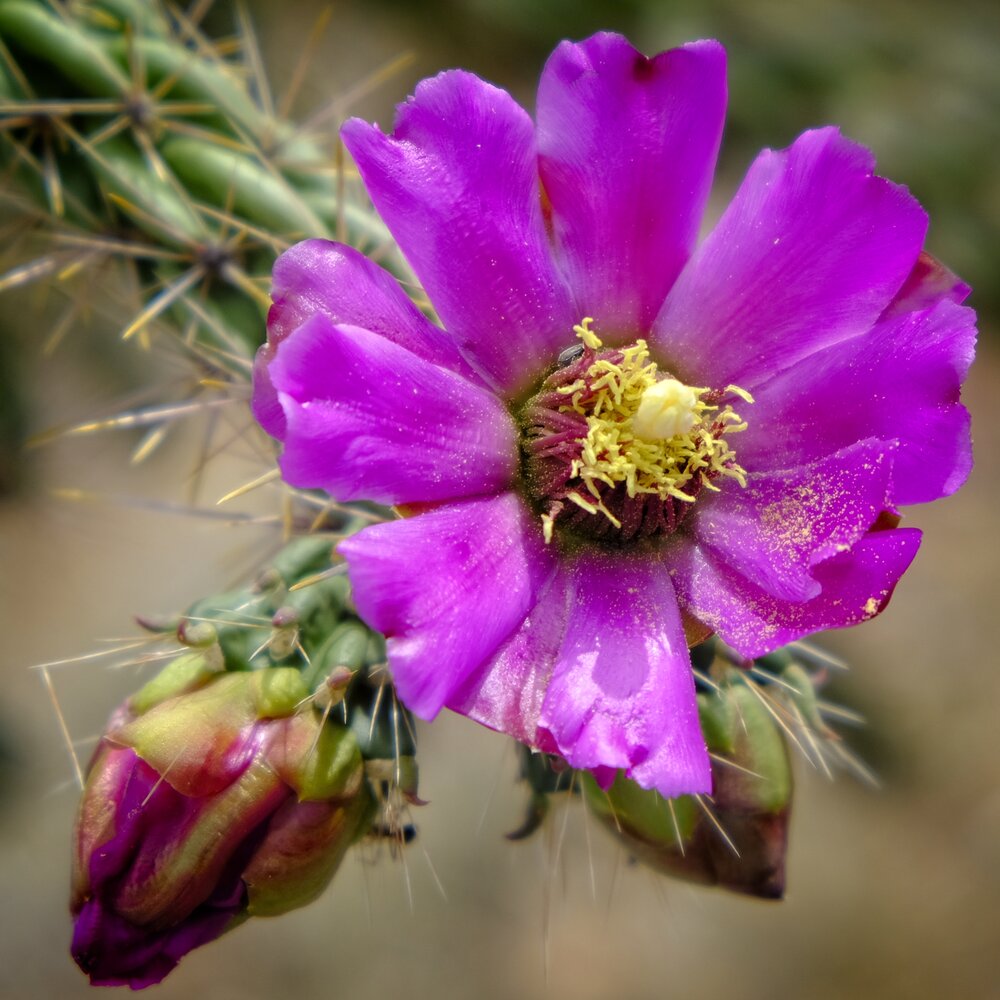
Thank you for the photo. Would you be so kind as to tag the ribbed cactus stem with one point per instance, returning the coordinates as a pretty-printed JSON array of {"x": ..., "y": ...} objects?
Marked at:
[{"x": 165, "y": 133}]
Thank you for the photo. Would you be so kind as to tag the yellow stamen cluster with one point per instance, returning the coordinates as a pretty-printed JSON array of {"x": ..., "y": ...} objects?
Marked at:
[{"x": 611, "y": 396}]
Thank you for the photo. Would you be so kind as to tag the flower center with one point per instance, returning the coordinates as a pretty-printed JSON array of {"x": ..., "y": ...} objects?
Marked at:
[{"x": 616, "y": 449}]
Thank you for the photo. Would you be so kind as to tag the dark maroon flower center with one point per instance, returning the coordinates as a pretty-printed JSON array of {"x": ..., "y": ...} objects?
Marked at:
[{"x": 616, "y": 450}]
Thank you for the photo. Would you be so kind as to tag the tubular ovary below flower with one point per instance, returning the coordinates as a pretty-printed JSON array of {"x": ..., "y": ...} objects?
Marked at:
[{"x": 740, "y": 844}]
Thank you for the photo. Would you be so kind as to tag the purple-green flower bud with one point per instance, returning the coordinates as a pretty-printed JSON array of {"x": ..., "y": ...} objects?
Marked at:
[
  {"x": 736, "y": 839},
  {"x": 211, "y": 798}
]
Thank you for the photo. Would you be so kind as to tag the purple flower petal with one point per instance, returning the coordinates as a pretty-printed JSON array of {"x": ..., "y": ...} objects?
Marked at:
[
  {"x": 810, "y": 252},
  {"x": 627, "y": 149},
  {"x": 317, "y": 277},
  {"x": 506, "y": 694},
  {"x": 621, "y": 693},
  {"x": 447, "y": 588},
  {"x": 927, "y": 284},
  {"x": 264, "y": 402},
  {"x": 855, "y": 586},
  {"x": 457, "y": 184},
  {"x": 366, "y": 419},
  {"x": 778, "y": 528},
  {"x": 900, "y": 381},
  {"x": 115, "y": 952}
]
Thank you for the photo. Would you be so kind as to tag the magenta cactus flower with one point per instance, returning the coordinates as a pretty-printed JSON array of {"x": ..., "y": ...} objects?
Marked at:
[
  {"x": 204, "y": 808},
  {"x": 617, "y": 441}
]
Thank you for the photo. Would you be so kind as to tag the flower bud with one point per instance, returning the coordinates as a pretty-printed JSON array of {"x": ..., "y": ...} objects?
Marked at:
[
  {"x": 737, "y": 838},
  {"x": 211, "y": 798}
]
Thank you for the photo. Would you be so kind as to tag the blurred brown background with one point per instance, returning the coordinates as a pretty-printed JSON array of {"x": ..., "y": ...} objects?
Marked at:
[{"x": 891, "y": 894}]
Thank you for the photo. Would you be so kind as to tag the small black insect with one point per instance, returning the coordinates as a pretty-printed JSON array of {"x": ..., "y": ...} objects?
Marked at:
[{"x": 569, "y": 355}]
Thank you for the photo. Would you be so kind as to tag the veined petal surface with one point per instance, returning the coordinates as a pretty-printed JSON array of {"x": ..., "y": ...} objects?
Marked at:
[
  {"x": 621, "y": 694},
  {"x": 457, "y": 185},
  {"x": 447, "y": 588},
  {"x": 366, "y": 419},
  {"x": 854, "y": 587},
  {"x": 627, "y": 148},
  {"x": 319, "y": 277},
  {"x": 901, "y": 381},
  {"x": 507, "y": 692},
  {"x": 810, "y": 251}
]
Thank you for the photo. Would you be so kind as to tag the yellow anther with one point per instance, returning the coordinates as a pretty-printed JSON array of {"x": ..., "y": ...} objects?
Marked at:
[
  {"x": 737, "y": 391},
  {"x": 649, "y": 433},
  {"x": 548, "y": 523},
  {"x": 583, "y": 331}
]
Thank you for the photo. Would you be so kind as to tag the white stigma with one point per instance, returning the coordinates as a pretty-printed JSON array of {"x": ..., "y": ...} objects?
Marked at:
[{"x": 667, "y": 409}]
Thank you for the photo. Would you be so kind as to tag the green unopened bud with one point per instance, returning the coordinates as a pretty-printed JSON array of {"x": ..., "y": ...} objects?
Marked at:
[
  {"x": 187, "y": 672},
  {"x": 737, "y": 838}
]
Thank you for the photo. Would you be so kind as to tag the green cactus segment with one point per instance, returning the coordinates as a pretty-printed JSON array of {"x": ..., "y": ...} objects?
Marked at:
[
  {"x": 648, "y": 817},
  {"x": 718, "y": 715},
  {"x": 268, "y": 622},
  {"x": 328, "y": 766},
  {"x": 115, "y": 16},
  {"x": 290, "y": 649},
  {"x": 299, "y": 558},
  {"x": 188, "y": 672},
  {"x": 737, "y": 838},
  {"x": 738, "y": 728},
  {"x": 135, "y": 126},
  {"x": 802, "y": 692},
  {"x": 276, "y": 692},
  {"x": 191, "y": 78},
  {"x": 221, "y": 175},
  {"x": 63, "y": 45},
  {"x": 9, "y": 86},
  {"x": 347, "y": 645},
  {"x": 153, "y": 204},
  {"x": 319, "y": 607},
  {"x": 746, "y": 733}
]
